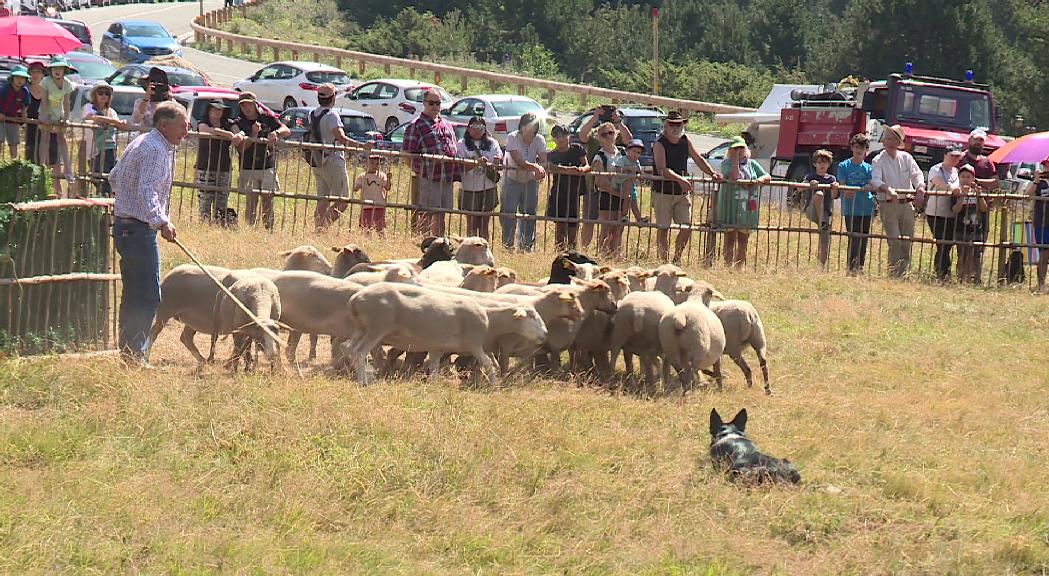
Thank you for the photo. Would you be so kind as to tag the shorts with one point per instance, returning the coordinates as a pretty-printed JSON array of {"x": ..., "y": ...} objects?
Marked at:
[
  {"x": 435, "y": 194},
  {"x": 564, "y": 204},
  {"x": 672, "y": 208},
  {"x": 479, "y": 200},
  {"x": 250, "y": 180},
  {"x": 13, "y": 133},
  {"x": 1041, "y": 235},
  {"x": 373, "y": 218},
  {"x": 331, "y": 177},
  {"x": 609, "y": 203}
]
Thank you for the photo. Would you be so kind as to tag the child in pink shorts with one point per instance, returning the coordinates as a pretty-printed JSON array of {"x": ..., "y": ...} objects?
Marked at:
[{"x": 373, "y": 185}]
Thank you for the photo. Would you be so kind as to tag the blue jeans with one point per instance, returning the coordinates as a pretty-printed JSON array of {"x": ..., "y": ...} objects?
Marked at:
[
  {"x": 136, "y": 243},
  {"x": 518, "y": 197}
]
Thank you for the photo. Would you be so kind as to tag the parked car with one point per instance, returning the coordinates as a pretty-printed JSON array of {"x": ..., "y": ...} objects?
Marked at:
[
  {"x": 393, "y": 139},
  {"x": 78, "y": 29},
  {"x": 197, "y": 98},
  {"x": 132, "y": 74},
  {"x": 644, "y": 123},
  {"x": 123, "y": 102},
  {"x": 501, "y": 112},
  {"x": 357, "y": 125},
  {"x": 6, "y": 64},
  {"x": 290, "y": 84},
  {"x": 392, "y": 102},
  {"x": 88, "y": 68},
  {"x": 137, "y": 41}
]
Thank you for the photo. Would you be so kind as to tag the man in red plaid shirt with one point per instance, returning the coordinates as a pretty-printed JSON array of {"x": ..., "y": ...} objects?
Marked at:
[{"x": 431, "y": 134}]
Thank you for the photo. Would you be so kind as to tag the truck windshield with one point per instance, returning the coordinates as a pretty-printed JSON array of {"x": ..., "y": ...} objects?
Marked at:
[{"x": 943, "y": 106}]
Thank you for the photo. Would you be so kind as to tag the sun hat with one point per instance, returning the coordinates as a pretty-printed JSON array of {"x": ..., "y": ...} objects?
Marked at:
[
  {"x": 58, "y": 61},
  {"x": 737, "y": 142},
  {"x": 326, "y": 90},
  {"x": 246, "y": 97},
  {"x": 37, "y": 65},
  {"x": 19, "y": 70},
  {"x": 218, "y": 105},
  {"x": 978, "y": 133},
  {"x": 636, "y": 143},
  {"x": 897, "y": 130},
  {"x": 675, "y": 117},
  {"x": 966, "y": 168},
  {"x": 103, "y": 85}
]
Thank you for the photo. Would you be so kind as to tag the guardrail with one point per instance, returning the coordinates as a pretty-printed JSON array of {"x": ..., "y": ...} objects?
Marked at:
[{"x": 206, "y": 29}]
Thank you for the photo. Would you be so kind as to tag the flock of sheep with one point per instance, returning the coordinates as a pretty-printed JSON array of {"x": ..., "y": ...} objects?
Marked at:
[{"x": 453, "y": 301}]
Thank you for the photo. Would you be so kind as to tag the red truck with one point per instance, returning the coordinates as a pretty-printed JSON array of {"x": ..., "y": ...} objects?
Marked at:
[{"x": 934, "y": 113}]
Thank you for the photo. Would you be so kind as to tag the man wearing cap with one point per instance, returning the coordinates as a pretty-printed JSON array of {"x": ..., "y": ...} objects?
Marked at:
[
  {"x": 894, "y": 169},
  {"x": 431, "y": 134},
  {"x": 54, "y": 108},
  {"x": 257, "y": 163},
  {"x": 14, "y": 103},
  {"x": 214, "y": 167},
  {"x": 330, "y": 171},
  {"x": 141, "y": 183},
  {"x": 671, "y": 196},
  {"x": 987, "y": 178}
]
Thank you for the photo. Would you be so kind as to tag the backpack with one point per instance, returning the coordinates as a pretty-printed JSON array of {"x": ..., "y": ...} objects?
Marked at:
[
  {"x": 604, "y": 160},
  {"x": 310, "y": 155}
]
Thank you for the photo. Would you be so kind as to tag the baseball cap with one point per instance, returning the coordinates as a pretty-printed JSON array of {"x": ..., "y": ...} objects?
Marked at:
[
  {"x": 326, "y": 90},
  {"x": 558, "y": 130},
  {"x": 636, "y": 143},
  {"x": 978, "y": 133},
  {"x": 737, "y": 142}
]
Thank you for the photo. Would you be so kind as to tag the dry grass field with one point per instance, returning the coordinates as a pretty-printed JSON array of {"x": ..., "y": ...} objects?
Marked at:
[{"x": 917, "y": 415}]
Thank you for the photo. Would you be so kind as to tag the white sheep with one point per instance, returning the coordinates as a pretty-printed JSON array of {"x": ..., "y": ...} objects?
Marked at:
[
  {"x": 346, "y": 258},
  {"x": 188, "y": 295},
  {"x": 400, "y": 273},
  {"x": 474, "y": 250},
  {"x": 692, "y": 338},
  {"x": 635, "y": 331},
  {"x": 306, "y": 257},
  {"x": 743, "y": 325},
  {"x": 259, "y": 295},
  {"x": 481, "y": 279}
]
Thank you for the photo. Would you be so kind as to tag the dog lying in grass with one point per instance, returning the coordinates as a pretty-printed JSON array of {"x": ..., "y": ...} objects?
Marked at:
[{"x": 730, "y": 449}]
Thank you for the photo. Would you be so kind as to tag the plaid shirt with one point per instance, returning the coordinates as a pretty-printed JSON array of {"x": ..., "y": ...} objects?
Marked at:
[
  {"x": 437, "y": 137},
  {"x": 141, "y": 180}
]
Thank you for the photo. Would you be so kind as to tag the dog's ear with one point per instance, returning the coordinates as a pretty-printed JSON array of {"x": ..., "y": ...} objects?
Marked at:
[
  {"x": 740, "y": 420},
  {"x": 715, "y": 422}
]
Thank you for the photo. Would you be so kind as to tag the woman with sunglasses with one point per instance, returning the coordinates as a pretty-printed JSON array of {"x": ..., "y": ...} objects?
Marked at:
[
  {"x": 611, "y": 206},
  {"x": 479, "y": 189},
  {"x": 102, "y": 144}
]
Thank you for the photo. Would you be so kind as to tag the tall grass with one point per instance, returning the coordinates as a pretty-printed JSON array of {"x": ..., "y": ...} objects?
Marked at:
[{"x": 917, "y": 416}]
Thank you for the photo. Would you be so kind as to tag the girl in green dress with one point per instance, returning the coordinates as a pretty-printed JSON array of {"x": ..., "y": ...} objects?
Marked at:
[{"x": 737, "y": 206}]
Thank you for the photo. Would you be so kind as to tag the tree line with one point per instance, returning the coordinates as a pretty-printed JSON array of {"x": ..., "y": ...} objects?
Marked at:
[{"x": 724, "y": 51}]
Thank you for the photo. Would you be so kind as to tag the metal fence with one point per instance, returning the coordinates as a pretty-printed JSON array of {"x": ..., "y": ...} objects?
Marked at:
[{"x": 783, "y": 237}]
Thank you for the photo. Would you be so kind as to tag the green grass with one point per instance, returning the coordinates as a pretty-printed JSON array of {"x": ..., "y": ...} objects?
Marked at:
[{"x": 916, "y": 415}]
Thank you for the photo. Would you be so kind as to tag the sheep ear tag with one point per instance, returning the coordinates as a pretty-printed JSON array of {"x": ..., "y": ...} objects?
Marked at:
[{"x": 520, "y": 313}]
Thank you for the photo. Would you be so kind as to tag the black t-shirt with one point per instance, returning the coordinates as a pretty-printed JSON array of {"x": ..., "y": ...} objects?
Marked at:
[
  {"x": 565, "y": 185},
  {"x": 1041, "y": 207},
  {"x": 825, "y": 180},
  {"x": 258, "y": 156},
  {"x": 213, "y": 153}
]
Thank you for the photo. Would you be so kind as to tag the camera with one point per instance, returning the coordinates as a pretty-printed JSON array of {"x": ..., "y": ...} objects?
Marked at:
[
  {"x": 606, "y": 113},
  {"x": 161, "y": 92}
]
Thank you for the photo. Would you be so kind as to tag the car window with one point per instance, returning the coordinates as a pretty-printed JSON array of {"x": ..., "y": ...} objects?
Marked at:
[
  {"x": 269, "y": 73},
  {"x": 416, "y": 94},
  {"x": 366, "y": 91},
  {"x": 124, "y": 102},
  {"x": 336, "y": 77},
  {"x": 287, "y": 73},
  {"x": 461, "y": 107},
  {"x": 387, "y": 91},
  {"x": 77, "y": 29},
  {"x": 516, "y": 107},
  {"x": 128, "y": 77},
  {"x": 114, "y": 29},
  {"x": 639, "y": 124},
  {"x": 93, "y": 70},
  {"x": 185, "y": 79},
  {"x": 146, "y": 31},
  {"x": 299, "y": 119},
  {"x": 358, "y": 125}
]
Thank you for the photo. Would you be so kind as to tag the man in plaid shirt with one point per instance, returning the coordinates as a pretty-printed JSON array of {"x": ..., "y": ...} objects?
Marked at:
[{"x": 431, "y": 134}]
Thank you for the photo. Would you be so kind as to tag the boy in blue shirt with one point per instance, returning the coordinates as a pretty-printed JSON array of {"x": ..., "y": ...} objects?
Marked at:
[
  {"x": 857, "y": 206},
  {"x": 14, "y": 102}
]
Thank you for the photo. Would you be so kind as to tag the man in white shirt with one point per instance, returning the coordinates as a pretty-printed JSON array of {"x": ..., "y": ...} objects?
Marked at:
[
  {"x": 895, "y": 170},
  {"x": 141, "y": 183}
]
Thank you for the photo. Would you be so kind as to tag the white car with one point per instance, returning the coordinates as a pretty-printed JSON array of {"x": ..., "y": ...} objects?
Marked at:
[
  {"x": 501, "y": 112},
  {"x": 282, "y": 85},
  {"x": 391, "y": 102},
  {"x": 124, "y": 98}
]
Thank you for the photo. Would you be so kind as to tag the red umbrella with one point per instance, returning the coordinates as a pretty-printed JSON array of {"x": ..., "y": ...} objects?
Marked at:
[{"x": 21, "y": 36}]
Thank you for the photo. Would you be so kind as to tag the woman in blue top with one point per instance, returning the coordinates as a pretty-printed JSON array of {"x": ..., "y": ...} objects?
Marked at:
[{"x": 857, "y": 207}]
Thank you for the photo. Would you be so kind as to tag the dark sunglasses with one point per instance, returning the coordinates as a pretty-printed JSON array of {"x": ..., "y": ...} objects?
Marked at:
[
  {"x": 434, "y": 102},
  {"x": 607, "y": 134}
]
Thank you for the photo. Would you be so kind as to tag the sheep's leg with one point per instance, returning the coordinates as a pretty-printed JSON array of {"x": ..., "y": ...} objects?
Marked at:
[
  {"x": 364, "y": 343},
  {"x": 719, "y": 378},
  {"x": 603, "y": 365},
  {"x": 293, "y": 344},
  {"x": 742, "y": 363},
  {"x": 764, "y": 371},
  {"x": 154, "y": 331},
  {"x": 648, "y": 368},
  {"x": 313, "y": 347},
  {"x": 487, "y": 365},
  {"x": 187, "y": 340},
  {"x": 433, "y": 363},
  {"x": 628, "y": 361}
]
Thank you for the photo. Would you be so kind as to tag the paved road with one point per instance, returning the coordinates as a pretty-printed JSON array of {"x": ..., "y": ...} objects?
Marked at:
[{"x": 222, "y": 70}]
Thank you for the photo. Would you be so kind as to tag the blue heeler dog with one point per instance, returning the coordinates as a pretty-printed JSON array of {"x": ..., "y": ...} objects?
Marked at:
[{"x": 731, "y": 449}]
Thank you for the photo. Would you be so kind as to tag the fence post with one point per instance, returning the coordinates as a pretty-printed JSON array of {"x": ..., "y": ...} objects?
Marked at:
[
  {"x": 520, "y": 89},
  {"x": 276, "y": 54},
  {"x": 338, "y": 61},
  {"x": 1003, "y": 237},
  {"x": 294, "y": 54},
  {"x": 411, "y": 73},
  {"x": 386, "y": 68},
  {"x": 582, "y": 100},
  {"x": 464, "y": 80},
  {"x": 361, "y": 66},
  {"x": 81, "y": 167},
  {"x": 243, "y": 47},
  {"x": 229, "y": 45},
  {"x": 493, "y": 85},
  {"x": 550, "y": 95},
  {"x": 437, "y": 77},
  {"x": 710, "y": 239},
  {"x": 258, "y": 52}
]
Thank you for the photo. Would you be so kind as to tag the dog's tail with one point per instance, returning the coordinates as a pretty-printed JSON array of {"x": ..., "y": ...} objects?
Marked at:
[{"x": 764, "y": 468}]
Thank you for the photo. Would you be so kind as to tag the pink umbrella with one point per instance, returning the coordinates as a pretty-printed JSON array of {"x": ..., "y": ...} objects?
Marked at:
[
  {"x": 1030, "y": 148},
  {"x": 21, "y": 36}
]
